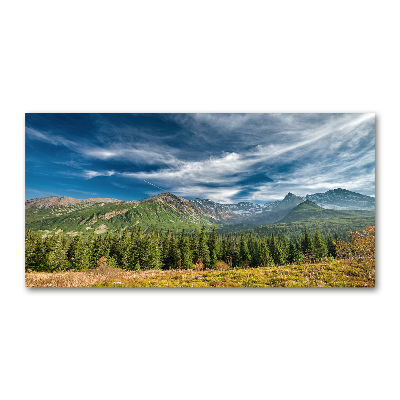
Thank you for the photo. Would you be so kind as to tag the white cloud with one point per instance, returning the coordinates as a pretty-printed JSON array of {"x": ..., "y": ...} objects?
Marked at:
[{"x": 88, "y": 174}]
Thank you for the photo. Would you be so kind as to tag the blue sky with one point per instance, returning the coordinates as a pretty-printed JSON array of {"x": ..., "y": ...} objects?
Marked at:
[{"x": 223, "y": 157}]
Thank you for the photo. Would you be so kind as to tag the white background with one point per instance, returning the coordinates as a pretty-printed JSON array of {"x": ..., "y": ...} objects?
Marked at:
[{"x": 206, "y": 56}]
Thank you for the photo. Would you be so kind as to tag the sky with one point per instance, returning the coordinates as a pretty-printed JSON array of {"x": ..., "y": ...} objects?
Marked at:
[{"x": 223, "y": 157}]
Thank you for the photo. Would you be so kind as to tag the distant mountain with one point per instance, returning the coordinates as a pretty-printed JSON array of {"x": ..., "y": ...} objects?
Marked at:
[
  {"x": 290, "y": 201},
  {"x": 57, "y": 201},
  {"x": 164, "y": 211},
  {"x": 245, "y": 208},
  {"x": 217, "y": 211},
  {"x": 342, "y": 199},
  {"x": 168, "y": 211},
  {"x": 309, "y": 210}
]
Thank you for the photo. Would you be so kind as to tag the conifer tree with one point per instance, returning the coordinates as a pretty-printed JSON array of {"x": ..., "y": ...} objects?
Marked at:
[
  {"x": 275, "y": 249},
  {"x": 173, "y": 254},
  {"x": 31, "y": 246},
  {"x": 91, "y": 250},
  {"x": 213, "y": 246},
  {"x": 77, "y": 255},
  {"x": 265, "y": 257},
  {"x": 203, "y": 252},
  {"x": 165, "y": 250},
  {"x": 294, "y": 255},
  {"x": 331, "y": 247},
  {"x": 150, "y": 256},
  {"x": 194, "y": 246},
  {"x": 307, "y": 245},
  {"x": 38, "y": 259},
  {"x": 185, "y": 253},
  {"x": 224, "y": 249},
  {"x": 56, "y": 257},
  {"x": 320, "y": 249},
  {"x": 244, "y": 253}
]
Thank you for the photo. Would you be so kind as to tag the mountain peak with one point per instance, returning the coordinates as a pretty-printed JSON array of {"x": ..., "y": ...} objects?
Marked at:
[
  {"x": 291, "y": 196},
  {"x": 308, "y": 204}
]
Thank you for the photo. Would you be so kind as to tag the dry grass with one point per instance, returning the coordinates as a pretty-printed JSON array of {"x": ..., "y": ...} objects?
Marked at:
[
  {"x": 92, "y": 277},
  {"x": 338, "y": 273}
]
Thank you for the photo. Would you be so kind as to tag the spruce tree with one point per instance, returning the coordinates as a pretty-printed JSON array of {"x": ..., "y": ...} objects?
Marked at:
[
  {"x": 56, "y": 257},
  {"x": 307, "y": 246},
  {"x": 77, "y": 256},
  {"x": 194, "y": 246},
  {"x": 294, "y": 255},
  {"x": 320, "y": 249},
  {"x": 265, "y": 257},
  {"x": 331, "y": 247},
  {"x": 213, "y": 246},
  {"x": 244, "y": 253},
  {"x": 185, "y": 253},
  {"x": 275, "y": 248},
  {"x": 203, "y": 252},
  {"x": 173, "y": 254}
]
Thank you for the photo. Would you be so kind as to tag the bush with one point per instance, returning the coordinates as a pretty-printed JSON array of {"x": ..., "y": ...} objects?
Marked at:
[
  {"x": 221, "y": 266},
  {"x": 360, "y": 248},
  {"x": 199, "y": 266}
]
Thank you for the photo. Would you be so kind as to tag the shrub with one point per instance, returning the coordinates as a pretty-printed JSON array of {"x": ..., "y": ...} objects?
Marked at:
[
  {"x": 199, "y": 266},
  {"x": 360, "y": 248},
  {"x": 221, "y": 266}
]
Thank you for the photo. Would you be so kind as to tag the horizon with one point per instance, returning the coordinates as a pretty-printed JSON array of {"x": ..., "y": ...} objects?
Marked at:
[
  {"x": 226, "y": 158},
  {"x": 85, "y": 198}
]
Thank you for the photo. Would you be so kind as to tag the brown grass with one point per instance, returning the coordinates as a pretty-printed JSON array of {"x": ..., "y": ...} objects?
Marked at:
[
  {"x": 92, "y": 277},
  {"x": 337, "y": 273}
]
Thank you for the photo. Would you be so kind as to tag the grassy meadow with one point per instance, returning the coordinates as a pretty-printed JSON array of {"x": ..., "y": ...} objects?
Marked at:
[{"x": 336, "y": 273}]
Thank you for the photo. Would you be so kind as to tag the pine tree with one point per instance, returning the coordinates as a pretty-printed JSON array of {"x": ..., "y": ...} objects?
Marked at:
[
  {"x": 244, "y": 253},
  {"x": 31, "y": 245},
  {"x": 276, "y": 251},
  {"x": 331, "y": 247},
  {"x": 254, "y": 250},
  {"x": 213, "y": 246},
  {"x": 56, "y": 257},
  {"x": 194, "y": 246},
  {"x": 294, "y": 255},
  {"x": 203, "y": 252},
  {"x": 173, "y": 254},
  {"x": 91, "y": 250},
  {"x": 185, "y": 253},
  {"x": 150, "y": 255},
  {"x": 77, "y": 256},
  {"x": 265, "y": 257},
  {"x": 225, "y": 249},
  {"x": 165, "y": 250},
  {"x": 320, "y": 249},
  {"x": 307, "y": 245},
  {"x": 39, "y": 256}
]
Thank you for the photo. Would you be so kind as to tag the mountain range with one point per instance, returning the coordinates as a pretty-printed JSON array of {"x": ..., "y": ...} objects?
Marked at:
[{"x": 168, "y": 211}]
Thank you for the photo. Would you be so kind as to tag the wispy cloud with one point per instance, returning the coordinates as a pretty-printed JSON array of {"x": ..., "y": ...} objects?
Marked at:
[
  {"x": 93, "y": 174},
  {"x": 224, "y": 157},
  {"x": 311, "y": 159},
  {"x": 53, "y": 139}
]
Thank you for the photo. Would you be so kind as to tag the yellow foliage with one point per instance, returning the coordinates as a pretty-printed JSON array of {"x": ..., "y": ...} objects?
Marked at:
[{"x": 360, "y": 249}]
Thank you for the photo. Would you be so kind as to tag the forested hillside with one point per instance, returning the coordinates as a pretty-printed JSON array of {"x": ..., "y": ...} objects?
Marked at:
[
  {"x": 169, "y": 212},
  {"x": 137, "y": 251}
]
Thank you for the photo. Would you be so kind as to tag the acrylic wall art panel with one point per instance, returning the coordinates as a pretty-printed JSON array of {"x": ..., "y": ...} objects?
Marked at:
[{"x": 200, "y": 200}]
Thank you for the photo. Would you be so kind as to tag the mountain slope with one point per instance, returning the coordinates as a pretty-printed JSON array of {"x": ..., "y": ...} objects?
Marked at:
[
  {"x": 342, "y": 199},
  {"x": 165, "y": 211},
  {"x": 289, "y": 202},
  {"x": 309, "y": 210},
  {"x": 57, "y": 201}
]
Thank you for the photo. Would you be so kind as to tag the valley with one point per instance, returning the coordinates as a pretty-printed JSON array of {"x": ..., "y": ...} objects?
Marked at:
[{"x": 165, "y": 211}]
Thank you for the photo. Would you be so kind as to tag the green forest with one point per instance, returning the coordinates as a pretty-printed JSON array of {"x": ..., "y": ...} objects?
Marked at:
[{"x": 200, "y": 250}]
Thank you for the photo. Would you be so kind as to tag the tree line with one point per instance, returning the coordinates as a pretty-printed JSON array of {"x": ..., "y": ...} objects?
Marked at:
[{"x": 138, "y": 251}]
